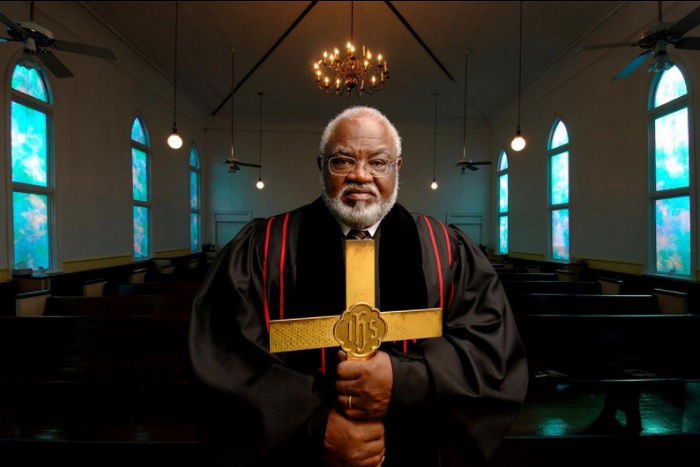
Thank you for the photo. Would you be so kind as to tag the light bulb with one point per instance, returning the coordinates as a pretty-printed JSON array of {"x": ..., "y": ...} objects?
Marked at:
[
  {"x": 434, "y": 185},
  {"x": 260, "y": 184},
  {"x": 174, "y": 140},
  {"x": 518, "y": 143}
]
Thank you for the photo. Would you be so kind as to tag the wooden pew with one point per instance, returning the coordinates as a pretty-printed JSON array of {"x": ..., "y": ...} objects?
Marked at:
[
  {"x": 173, "y": 306},
  {"x": 520, "y": 287},
  {"x": 527, "y": 276},
  {"x": 585, "y": 304},
  {"x": 159, "y": 288}
]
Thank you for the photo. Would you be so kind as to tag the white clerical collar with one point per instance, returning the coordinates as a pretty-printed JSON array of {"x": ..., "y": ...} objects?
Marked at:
[{"x": 371, "y": 229}]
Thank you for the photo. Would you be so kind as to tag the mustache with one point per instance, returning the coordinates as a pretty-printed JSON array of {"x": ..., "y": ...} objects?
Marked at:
[{"x": 363, "y": 187}]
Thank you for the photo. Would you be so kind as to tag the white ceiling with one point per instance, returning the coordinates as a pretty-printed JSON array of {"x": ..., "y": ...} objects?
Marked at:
[{"x": 489, "y": 30}]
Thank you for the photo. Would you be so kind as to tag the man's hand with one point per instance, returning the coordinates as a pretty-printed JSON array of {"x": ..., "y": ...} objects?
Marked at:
[
  {"x": 369, "y": 384},
  {"x": 350, "y": 443}
]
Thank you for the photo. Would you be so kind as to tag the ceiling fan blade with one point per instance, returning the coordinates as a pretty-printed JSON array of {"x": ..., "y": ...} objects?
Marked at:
[
  {"x": 472, "y": 168},
  {"x": 84, "y": 49},
  {"x": 607, "y": 46},
  {"x": 691, "y": 43},
  {"x": 481, "y": 163},
  {"x": 11, "y": 24},
  {"x": 54, "y": 64},
  {"x": 8, "y": 39},
  {"x": 246, "y": 164},
  {"x": 685, "y": 24},
  {"x": 633, "y": 65}
]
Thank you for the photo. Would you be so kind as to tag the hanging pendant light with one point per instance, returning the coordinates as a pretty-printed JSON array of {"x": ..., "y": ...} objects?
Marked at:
[
  {"x": 434, "y": 184},
  {"x": 518, "y": 143},
  {"x": 174, "y": 140},
  {"x": 260, "y": 184}
]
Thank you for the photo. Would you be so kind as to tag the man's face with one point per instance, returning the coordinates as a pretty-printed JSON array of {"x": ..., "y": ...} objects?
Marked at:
[{"x": 362, "y": 139}]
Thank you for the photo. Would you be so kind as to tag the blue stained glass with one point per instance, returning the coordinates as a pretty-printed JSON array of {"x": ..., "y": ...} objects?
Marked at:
[
  {"x": 138, "y": 132},
  {"x": 673, "y": 255},
  {"x": 194, "y": 157},
  {"x": 194, "y": 190},
  {"x": 503, "y": 163},
  {"x": 140, "y": 232},
  {"x": 671, "y": 86},
  {"x": 194, "y": 232},
  {"x": 30, "y": 81},
  {"x": 560, "y": 178},
  {"x": 29, "y": 155},
  {"x": 672, "y": 161},
  {"x": 139, "y": 174},
  {"x": 503, "y": 193},
  {"x": 31, "y": 230},
  {"x": 560, "y": 234},
  {"x": 503, "y": 235},
  {"x": 560, "y": 136}
]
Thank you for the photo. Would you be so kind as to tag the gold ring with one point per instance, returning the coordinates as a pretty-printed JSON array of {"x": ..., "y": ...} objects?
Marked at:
[{"x": 349, "y": 404}]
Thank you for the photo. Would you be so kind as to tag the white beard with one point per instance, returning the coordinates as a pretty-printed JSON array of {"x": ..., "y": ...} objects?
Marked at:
[{"x": 362, "y": 214}]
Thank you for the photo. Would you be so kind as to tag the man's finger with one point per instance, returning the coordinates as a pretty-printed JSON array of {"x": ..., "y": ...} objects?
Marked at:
[
  {"x": 342, "y": 356},
  {"x": 348, "y": 387},
  {"x": 350, "y": 369}
]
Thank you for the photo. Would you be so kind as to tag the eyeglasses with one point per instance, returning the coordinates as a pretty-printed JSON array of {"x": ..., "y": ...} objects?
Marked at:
[{"x": 378, "y": 167}]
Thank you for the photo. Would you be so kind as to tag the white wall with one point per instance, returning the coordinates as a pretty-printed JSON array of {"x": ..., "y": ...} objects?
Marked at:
[
  {"x": 607, "y": 122},
  {"x": 93, "y": 114}
]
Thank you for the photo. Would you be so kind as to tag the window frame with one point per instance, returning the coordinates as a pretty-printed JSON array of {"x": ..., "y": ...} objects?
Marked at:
[
  {"x": 198, "y": 211},
  {"x": 47, "y": 108},
  {"x": 503, "y": 153},
  {"x": 654, "y": 195},
  {"x": 551, "y": 152},
  {"x": 146, "y": 149}
]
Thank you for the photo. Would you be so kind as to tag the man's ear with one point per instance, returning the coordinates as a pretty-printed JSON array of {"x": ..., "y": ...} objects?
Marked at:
[{"x": 399, "y": 163}]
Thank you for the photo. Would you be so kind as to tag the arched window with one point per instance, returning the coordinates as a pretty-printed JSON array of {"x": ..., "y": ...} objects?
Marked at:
[
  {"x": 503, "y": 203},
  {"x": 670, "y": 192},
  {"x": 558, "y": 156},
  {"x": 195, "y": 171},
  {"x": 140, "y": 171},
  {"x": 31, "y": 147}
]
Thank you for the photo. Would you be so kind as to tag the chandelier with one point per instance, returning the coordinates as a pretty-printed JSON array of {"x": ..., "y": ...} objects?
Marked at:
[{"x": 351, "y": 72}]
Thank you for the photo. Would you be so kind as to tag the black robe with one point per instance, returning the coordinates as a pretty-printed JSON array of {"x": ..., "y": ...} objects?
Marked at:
[{"x": 457, "y": 393}]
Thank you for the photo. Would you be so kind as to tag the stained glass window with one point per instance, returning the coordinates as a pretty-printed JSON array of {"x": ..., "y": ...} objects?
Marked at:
[
  {"x": 671, "y": 150},
  {"x": 672, "y": 240},
  {"x": 140, "y": 188},
  {"x": 138, "y": 132},
  {"x": 30, "y": 81},
  {"x": 503, "y": 163},
  {"x": 671, "y": 86},
  {"x": 141, "y": 232},
  {"x": 560, "y": 234},
  {"x": 503, "y": 193},
  {"x": 503, "y": 235},
  {"x": 194, "y": 199},
  {"x": 30, "y": 150},
  {"x": 558, "y": 150}
]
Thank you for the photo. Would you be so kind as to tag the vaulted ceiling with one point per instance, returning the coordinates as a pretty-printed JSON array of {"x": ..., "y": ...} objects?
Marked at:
[{"x": 489, "y": 30}]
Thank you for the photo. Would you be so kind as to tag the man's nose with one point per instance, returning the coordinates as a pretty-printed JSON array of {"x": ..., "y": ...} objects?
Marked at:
[{"x": 360, "y": 174}]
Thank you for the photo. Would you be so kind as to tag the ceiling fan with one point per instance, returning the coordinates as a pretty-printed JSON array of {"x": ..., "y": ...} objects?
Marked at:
[
  {"x": 39, "y": 41},
  {"x": 235, "y": 164},
  {"x": 655, "y": 41},
  {"x": 466, "y": 163}
]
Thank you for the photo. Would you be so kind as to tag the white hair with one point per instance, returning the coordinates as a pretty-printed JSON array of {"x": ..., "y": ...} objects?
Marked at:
[{"x": 354, "y": 113}]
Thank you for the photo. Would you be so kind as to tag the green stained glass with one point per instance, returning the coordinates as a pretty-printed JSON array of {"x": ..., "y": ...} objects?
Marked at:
[
  {"x": 194, "y": 232},
  {"x": 194, "y": 190},
  {"x": 671, "y": 150},
  {"x": 671, "y": 86},
  {"x": 29, "y": 154},
  {"x": 673, "y": 239},
  {"x": 30, "y": 230},
  {"x": 560, "y": 234},
  {"x": 138, "y": 132},
  {"x": 30, "y": 81},
  {"x": 140, "y": 232},
  {"x": 503, "y": 193},
  {"x": 503, "y": 162},
  {"x": 194, "y": 157},
  {"x": 560, "y": 178},
  {"x": 560, "y": 136},
  {"x": 503, "y": 235},
  {"x": 139, "y": 174}
]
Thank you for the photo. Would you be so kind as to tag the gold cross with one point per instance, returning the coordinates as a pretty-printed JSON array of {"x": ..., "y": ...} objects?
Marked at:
[{"x": 361, "y": 328}]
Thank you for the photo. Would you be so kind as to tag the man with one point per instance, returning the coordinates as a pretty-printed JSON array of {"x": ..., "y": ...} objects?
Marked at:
[{"x": 413, "y": 403}]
